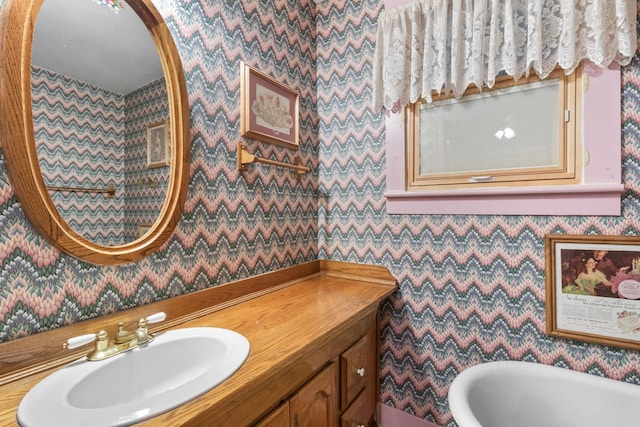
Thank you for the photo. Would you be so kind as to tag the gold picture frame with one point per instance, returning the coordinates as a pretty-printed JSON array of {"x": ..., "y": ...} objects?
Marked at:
[
  {"x": 157, "y": 145},
  {"x": 269, "y": 110},
  {"x": 593, "y": 289}
]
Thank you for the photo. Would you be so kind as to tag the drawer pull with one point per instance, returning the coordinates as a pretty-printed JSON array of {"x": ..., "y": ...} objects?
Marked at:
[
  {"x": 360, "y": 372},
  {"x": 360, "y": 425}
]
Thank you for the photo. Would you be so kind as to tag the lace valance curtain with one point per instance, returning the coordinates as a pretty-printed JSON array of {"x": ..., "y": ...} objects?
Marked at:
[{"x": 436, "y": 45}]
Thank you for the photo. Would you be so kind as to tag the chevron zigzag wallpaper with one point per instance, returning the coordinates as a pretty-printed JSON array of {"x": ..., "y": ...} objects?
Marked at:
[
  {"x": 471, "y": 288},
  {"x": 234, "y": 225},
  {"x": 89, "y": 137},
  {"x": 80, "y": 139},
  {"x": 143, "y": 198}
]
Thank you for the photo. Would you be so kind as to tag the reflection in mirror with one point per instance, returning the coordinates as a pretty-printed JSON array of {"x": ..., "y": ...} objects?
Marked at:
[
  {"x": 99, "y": 110},
  {"x": 17, "y": 133}
]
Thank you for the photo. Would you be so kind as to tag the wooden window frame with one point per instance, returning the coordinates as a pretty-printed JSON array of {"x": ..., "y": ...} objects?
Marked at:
[{"x": 569, "y": 168}]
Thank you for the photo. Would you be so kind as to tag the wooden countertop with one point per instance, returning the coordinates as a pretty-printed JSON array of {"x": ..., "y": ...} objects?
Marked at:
[{"x": 294, "y": 327}]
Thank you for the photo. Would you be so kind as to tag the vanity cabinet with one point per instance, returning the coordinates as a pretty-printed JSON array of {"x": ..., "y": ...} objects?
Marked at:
[
  {"x": 314, "y": 405},
  {"x": 278, "y": 418},
  {"x": 342, "y": 394},
  {"x": 313, "y": 334},
  {"x": 358, "y": 413},
  {"x": 358, "y": 379}
]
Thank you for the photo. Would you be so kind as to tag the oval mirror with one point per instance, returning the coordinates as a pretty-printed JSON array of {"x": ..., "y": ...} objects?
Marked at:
[
  {"x": 96, "y": 147},
  {"x": 99, "y": 106}
]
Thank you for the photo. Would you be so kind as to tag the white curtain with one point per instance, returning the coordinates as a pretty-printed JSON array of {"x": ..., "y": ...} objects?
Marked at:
[{"x": 436, "y": 45}]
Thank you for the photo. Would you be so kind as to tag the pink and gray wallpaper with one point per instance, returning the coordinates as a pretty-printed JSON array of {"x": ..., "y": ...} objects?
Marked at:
[
  {"x": 91, "y": 138},
  {"x": 145, "y": 187},
  {"x": 234, "y": 225},
  {"x": 80, "y": 137},
  {"x": 471, "y": 288}
]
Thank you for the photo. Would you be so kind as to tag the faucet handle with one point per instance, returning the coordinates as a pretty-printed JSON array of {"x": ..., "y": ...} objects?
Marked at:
[
  {"x": 153, "y": 318},
  {"x": 142, "y": 333},
  {"x": 78, "y": 341},
  {"x": 157, "y": 317}
]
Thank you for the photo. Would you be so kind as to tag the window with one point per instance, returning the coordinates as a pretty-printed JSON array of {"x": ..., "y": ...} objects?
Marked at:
[
  {"x": 517, "y": 134},
  {"x": 594, "y": 190}
]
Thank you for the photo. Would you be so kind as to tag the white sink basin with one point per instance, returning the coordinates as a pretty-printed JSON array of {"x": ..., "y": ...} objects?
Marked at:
[{"x": 176, "y": 367}]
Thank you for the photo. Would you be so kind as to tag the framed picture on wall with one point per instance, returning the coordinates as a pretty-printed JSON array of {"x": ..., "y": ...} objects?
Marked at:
[
  {"x": 593, "y": 288},
  {"x": 268, "y": 109},
  {"x": 143, "y": 229},
  {"x": 157, "y": 145}
]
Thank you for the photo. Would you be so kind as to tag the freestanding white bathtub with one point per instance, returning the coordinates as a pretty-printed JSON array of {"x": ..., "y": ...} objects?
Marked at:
[{"x": 523, "y": 394}]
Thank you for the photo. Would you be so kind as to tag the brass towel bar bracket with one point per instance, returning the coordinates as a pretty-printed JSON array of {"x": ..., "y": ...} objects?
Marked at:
[
  {"x": 109, "y": 191},
  {"x": 245, "y": 158}
]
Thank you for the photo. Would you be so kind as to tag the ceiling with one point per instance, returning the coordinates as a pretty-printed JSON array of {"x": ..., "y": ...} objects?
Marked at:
[{"x": 89, "y": 42}]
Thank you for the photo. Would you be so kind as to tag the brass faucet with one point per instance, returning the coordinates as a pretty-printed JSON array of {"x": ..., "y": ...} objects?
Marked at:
[{"x": 123, "y": 340}]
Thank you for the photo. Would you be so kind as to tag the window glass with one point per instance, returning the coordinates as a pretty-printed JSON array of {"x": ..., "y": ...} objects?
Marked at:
[
  {"x": 516, "y": 127},
  {"x": 515, "y": 132}
]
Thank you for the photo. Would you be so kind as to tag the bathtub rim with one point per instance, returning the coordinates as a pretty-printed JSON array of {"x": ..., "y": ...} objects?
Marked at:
[{"x": 459, "y": 389}]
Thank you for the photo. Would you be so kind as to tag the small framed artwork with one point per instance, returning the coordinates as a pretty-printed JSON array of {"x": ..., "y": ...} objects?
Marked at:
[
  {"x": 268, "y": 109},
  {"x": 157, "y": 145},
  {"x": 593, "y": 288},
  {"x": 143, "y": 229}
]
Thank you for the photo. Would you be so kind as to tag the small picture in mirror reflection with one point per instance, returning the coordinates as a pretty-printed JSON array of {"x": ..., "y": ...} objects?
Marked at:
[
  {"x": 157, "y": 145},
  {"x": 143, "y": 229}
]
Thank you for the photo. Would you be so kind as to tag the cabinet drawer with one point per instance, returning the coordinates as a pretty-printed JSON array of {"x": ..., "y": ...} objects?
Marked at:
[
  {"x": 354, "y": 370},
  {"x": 359, "y": 413}
]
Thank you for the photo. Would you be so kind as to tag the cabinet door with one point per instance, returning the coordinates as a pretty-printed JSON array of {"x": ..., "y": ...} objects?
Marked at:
[
  {"x": 279, "y": 417},
  {"x": 316, "y": 403}
]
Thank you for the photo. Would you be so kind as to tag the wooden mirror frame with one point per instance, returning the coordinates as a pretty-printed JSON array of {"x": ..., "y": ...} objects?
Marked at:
[{"x": 17, "y": 137}]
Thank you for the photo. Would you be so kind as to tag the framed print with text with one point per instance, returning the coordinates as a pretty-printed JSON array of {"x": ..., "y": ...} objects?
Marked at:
[{"x": 593, "y": 288}]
